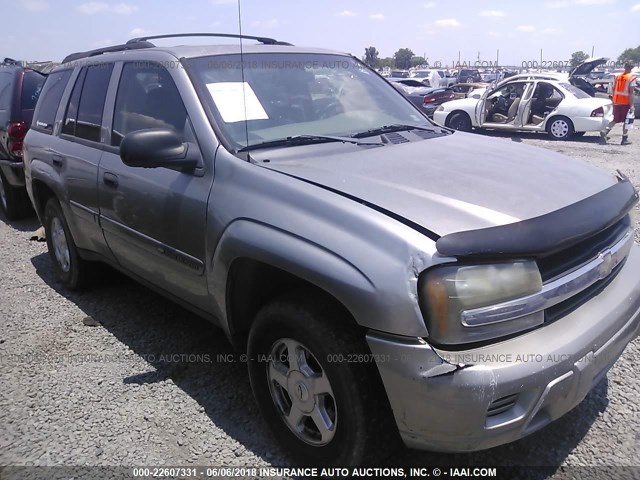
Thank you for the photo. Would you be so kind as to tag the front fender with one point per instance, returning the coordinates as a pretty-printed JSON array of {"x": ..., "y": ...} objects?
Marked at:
[
  {"x": 247, "y": 238},
  {"x": 40, "y": 171}
]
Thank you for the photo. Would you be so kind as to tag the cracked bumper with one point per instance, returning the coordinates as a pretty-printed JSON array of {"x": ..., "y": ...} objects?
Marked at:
[{"x": 477, "y": 399}]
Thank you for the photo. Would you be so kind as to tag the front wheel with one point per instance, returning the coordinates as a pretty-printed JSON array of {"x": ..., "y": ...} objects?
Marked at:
[
  {"x": 560, "y": 128},
  {"x": 459, "y": 121},
  {"x": 322, "y": 407}
]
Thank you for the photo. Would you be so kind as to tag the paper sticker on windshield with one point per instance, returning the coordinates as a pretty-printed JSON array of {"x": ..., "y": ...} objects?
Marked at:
[{"x": 228, "y": 97}]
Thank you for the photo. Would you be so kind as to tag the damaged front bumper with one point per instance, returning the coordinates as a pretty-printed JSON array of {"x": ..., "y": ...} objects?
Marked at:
[{"x": 477, "y": 399}]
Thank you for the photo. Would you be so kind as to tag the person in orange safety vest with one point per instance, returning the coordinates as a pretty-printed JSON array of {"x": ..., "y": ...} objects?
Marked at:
[{"x": 623, "y": 89}]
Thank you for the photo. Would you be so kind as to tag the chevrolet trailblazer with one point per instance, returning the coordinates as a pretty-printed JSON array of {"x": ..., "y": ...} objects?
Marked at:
[{"x": 379, "y": 270}]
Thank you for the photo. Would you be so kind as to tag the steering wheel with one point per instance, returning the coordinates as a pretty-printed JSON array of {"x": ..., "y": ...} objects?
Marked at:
[{"x": 330, "y": 109}]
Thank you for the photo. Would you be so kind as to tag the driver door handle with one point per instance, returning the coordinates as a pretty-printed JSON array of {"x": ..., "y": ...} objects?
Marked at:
[{"x": 110, "y": 179}]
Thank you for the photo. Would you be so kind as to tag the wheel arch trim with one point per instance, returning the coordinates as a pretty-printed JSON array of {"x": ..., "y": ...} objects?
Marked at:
[{"x": 320, "y": 267}]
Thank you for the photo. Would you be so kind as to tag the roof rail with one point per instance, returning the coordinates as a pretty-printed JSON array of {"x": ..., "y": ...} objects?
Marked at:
[
  {"x": 114, "y": 48},
  {"x": 264, "y": 40},
  {"x": 142, "y": 42}
]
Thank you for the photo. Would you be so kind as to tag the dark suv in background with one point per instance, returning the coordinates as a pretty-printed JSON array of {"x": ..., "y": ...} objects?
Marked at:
[
  {"x": 19, "y": 90},
  {"x": 468, "y": 76}
]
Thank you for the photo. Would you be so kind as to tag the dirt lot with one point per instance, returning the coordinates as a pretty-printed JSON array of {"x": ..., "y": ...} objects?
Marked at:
[{"x": 124, "y": 390}]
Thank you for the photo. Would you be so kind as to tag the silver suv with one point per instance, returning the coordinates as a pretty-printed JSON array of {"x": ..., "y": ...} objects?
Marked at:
[{"x": 384, "y": 275}]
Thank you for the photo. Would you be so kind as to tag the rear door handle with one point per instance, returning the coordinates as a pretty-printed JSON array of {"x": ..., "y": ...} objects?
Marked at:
[
  {"x": 110, "y": 179},
  {"x": 57, "y": 160}
]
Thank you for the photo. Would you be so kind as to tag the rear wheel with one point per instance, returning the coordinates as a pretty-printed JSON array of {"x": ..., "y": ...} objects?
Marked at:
[
  {"x": 72, "y": 271},
  {"x": 14, "y": 201},
  {"x": 459, "y": 121},
  {"x": 323, "y": 409},
  {"x": 560, "y": 128}
]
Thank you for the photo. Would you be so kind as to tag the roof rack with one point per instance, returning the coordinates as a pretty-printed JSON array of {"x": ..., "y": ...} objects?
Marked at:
[
  {"x": 143, "y": 42},
  {"x": 114, "y": 48},
  {"x": 264, "y": 40}
]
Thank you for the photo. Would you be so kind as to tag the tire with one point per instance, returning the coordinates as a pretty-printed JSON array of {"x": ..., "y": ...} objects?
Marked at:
[
  {"x": 14, "y": 202},
  {"x": 72, "y": 271},
  {"x": 349, "y": 397},
  {"x": 560, "y": 128},
  {"x": 459, "y": 121}
]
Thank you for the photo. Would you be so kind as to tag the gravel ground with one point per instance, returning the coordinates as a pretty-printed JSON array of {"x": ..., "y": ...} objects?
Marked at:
[{"x": 104, "y": 377}]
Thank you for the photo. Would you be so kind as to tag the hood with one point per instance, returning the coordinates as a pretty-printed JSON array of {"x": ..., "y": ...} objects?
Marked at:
[
  {"x": 586, "y": 67},
  {"x": 446, "y": 184}
]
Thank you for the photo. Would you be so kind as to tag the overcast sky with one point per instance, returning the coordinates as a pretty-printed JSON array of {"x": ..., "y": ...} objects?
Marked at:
[{"x": 51, "y": 29}]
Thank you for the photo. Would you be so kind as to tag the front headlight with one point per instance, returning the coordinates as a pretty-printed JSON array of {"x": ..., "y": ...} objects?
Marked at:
[
  {"x": 448, "y": 291},
  {"x": 440, "y": 108}
]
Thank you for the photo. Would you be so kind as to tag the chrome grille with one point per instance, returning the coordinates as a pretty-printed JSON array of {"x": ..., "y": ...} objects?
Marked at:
[{"x": 562, "y": 262}]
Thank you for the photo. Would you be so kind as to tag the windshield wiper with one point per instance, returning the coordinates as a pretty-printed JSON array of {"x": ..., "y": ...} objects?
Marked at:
[
  {"x": 396, "y": 127},
  {"x": 304, "y": 140}
]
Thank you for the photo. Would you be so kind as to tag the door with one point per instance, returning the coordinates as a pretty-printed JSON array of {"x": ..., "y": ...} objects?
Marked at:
[
  {"x": 76, "y": 154},
  {"x": 154, "y": 218},
  {"x": 499, "y": 108},
  {"x": 481, "y": 107},
  {"x": 524, "y": 109}
]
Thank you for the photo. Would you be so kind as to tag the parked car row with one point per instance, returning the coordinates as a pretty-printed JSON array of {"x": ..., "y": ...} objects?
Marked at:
[
  {"x": 563, "y": 113},
  {"x": 529, "y": 102},
  {"x": 369, "y": 262},
  {"x": 427, "y": 99}
]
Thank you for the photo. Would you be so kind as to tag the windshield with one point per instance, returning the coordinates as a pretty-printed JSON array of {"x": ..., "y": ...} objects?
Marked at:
[
  {"x": 286, "y": 95},
  {"x": 575, "y": 90}
]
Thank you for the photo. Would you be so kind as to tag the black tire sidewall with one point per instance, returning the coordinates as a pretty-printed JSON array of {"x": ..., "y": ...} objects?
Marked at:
[
  {"x": 16, "y": 206},
  {"x": 348, "y": 445},
  {"x": 466, "y": 121},
  {"x": 71, "y": 278}
]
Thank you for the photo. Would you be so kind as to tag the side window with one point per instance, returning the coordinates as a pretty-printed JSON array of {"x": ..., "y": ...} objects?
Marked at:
[
  {"x": 32, "y": 83},
  {"x": 49, "y": 100},
  {"x": 5, "y": 90},
  {"x": 69, "y": 121},
  {"x": 556, "y": 96},
  {"x": 147, "y": 98},
  {"x": 94, "y": 93}
]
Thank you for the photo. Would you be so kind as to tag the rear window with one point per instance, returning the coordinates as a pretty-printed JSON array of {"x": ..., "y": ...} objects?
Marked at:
[
  {"x": 575, "y": 90},
  {"x": 32, "y": 83},
  {"x": 50, "y": 96},
  {"x": 5, "y": 89}
]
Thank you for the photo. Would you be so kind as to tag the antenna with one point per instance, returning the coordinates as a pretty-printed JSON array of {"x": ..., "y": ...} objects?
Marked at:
[{"x": 244, "y": 95}]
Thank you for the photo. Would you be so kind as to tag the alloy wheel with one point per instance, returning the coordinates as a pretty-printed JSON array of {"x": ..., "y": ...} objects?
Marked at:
[
  {"x": 60, "y": 246},
  {"x": 302, "y": 392}
]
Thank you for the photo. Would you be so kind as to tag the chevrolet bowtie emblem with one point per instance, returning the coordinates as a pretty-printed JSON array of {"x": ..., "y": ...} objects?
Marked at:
[{"x": 607, "y": 265}]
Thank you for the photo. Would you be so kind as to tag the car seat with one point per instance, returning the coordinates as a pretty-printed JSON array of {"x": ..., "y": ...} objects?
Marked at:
[{"x": 511, "y": 114}]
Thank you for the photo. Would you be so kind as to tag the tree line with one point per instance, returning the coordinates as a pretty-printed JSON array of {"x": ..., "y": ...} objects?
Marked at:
[{"x": 404, "y": 58}]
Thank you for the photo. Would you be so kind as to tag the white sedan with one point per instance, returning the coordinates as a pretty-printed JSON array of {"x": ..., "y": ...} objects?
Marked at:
[{"x": 529, "y": 102}]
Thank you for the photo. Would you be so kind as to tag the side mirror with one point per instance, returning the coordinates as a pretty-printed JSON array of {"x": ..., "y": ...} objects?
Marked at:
[{"x": 157, "y": 147}]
